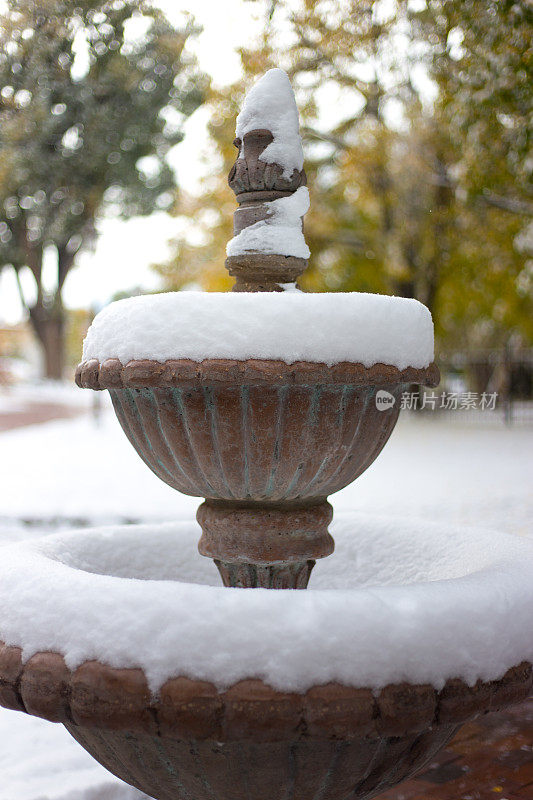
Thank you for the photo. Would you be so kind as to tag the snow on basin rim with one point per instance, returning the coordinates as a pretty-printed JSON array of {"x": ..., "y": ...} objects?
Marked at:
[
  {"x": 399, "y": 600},
  {"x": 286, "y": 326}
]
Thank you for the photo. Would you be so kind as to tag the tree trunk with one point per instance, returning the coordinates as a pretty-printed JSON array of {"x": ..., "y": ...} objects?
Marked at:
[
  {"x": 47, "y": 315},
  {"x": 49, "y": 324},
  {"x": 53, "y": 349}
]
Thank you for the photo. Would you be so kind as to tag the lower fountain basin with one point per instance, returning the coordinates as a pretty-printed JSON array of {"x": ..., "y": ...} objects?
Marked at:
[{"x": 190, "y": 690}]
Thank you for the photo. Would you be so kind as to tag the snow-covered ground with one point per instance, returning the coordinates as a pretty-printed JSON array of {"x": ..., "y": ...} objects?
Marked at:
[
  {"x": 12, "y": 398},
  {"x": 39, "y": 761},
  {"x": 75, "y": 472}
]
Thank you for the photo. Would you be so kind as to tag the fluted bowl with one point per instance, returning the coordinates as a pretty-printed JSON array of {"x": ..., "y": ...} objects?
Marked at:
[
  {"x": 195, "y": 743},
  {"x": 254, "y": 430}
]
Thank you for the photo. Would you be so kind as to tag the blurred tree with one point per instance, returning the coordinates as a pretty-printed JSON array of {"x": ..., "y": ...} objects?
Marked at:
[
  {"x": 77, "y": 321},
  {"x": 93, "y": 95},
  {"x": 480, "y": 56},
  {"x": 414, "y": 189},
  {"x": 199, "y": 253}
]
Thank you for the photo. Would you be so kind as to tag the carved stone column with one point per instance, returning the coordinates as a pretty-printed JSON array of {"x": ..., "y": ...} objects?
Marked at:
[{"x": 256, "y": 183}]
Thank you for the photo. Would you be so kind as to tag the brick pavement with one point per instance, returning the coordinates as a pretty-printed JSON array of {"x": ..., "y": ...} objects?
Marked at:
[
  {"x": 491, "y": 758},
  {"x": 32, "y": 413}
]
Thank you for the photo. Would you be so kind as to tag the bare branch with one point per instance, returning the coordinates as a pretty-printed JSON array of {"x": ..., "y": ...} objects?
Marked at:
[
  {"x": 312, "y": 133},
  {"x": 509, "y": 204},
  {"x": 20, "y": 289}
]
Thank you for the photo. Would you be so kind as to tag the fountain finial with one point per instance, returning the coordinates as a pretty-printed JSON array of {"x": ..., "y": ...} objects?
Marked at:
[{"x": 268, "y": 251}]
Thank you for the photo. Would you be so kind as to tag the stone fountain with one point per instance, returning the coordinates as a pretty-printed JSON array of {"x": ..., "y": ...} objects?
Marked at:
[{"x": 264, "y": 428}]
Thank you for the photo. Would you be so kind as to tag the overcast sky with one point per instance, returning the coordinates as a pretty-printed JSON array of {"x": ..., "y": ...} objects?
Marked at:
[{"x": 125, "y": 250}]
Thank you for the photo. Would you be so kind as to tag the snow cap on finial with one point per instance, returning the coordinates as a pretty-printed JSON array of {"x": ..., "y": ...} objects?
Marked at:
[
  {"x": 270, "y": 104},
  {"x": 268, "y": 251}
]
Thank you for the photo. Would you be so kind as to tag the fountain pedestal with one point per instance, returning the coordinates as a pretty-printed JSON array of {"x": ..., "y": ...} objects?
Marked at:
[{"x": 270, "y": 546}]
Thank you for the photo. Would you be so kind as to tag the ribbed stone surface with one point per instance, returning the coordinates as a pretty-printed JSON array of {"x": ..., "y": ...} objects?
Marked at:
[
  {"x": 172, "y": 769},
  {"x": 270, "y": 576},
  {"x": 265, "y": 443},
  {"x": 250, "y": 742}
]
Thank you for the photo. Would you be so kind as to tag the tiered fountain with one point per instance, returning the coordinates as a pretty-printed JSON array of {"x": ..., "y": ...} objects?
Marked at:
[{"x": 263, "y": 402}]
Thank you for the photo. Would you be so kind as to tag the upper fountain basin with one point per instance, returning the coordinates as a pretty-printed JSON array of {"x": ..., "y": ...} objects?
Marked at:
[
  {"x": 291, "y": 326},
  {"x": 261, "y": 396}
]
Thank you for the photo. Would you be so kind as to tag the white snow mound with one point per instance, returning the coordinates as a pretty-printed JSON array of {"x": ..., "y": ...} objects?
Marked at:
[
  {"x": 270, "y": 104},
  {"x": 398, "y": 601},
  {"x": 286, "y": 326},
  {"x": 281, "y": 232}
]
